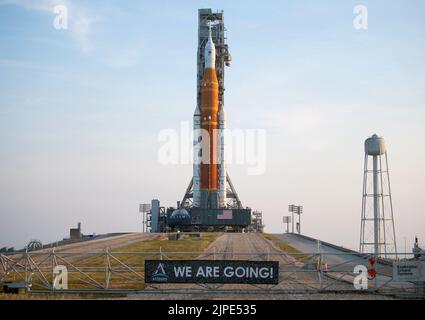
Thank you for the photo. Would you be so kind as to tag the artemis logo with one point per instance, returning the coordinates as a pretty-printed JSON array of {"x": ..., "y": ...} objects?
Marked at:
[
  {"x": 160, "y": 275},
  {"x": 60, "y": 281},
  {"x": 360, "y": 281}
]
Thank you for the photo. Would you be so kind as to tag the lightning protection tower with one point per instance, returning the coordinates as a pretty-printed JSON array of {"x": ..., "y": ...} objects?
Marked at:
[{"x": 377, "y": 231}]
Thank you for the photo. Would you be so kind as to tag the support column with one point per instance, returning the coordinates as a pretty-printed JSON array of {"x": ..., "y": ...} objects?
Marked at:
[{"x": 376, "y": 205}]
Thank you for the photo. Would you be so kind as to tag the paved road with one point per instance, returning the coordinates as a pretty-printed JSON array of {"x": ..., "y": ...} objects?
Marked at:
[
  {"x": 341, "y": 260},
  {"x": 294, "y": 278}
]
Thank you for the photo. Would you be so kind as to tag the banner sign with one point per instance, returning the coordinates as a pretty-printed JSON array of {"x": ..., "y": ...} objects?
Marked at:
[
  {"x": 211, "y": 271},
  {"x": 409, "y": 271}
]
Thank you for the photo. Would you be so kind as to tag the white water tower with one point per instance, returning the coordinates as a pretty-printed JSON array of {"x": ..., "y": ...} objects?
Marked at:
[{"x": 377, "y": 231}]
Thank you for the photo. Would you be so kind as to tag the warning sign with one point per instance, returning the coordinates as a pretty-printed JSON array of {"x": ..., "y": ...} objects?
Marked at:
[
  {"x": 211, "y": 271},
  {"x": 409, "y": 271}
]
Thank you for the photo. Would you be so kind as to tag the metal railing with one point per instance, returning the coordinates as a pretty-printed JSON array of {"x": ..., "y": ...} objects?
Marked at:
[{"x": 109, "y": 271}]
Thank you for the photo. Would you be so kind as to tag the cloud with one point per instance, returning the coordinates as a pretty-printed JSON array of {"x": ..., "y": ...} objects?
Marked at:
[
  {"x": 80, "y": 21},
  {"x": 40, "y": 5}
]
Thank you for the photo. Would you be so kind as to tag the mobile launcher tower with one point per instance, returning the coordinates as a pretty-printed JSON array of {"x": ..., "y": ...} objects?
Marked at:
[{"x": 210, "y": 201}]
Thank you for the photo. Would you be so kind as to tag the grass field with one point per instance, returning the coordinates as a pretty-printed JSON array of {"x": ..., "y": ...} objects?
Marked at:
[
  {"x": 124, "y": 265},
  {"x": 293, "y": 252}
]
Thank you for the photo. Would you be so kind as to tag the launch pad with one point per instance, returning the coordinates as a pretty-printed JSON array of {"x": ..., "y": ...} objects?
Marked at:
[{"x": 207, "y": 219}]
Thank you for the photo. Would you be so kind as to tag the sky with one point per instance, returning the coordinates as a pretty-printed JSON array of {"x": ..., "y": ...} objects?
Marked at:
[{"x": 81, "y": 110}]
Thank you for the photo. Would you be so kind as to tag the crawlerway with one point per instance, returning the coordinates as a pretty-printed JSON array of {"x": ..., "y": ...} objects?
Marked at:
[{"x": 179, "y": 310}]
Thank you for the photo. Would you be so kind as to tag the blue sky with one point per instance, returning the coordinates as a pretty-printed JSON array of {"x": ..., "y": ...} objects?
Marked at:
[{"x": 81, "y": 109}]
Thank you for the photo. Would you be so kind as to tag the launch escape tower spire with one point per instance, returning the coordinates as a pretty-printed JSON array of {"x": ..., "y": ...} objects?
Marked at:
[{"x": 377, "y": 231}]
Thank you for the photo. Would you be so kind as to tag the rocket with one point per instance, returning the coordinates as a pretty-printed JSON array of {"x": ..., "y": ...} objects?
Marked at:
[{"x": 209, "y": 121}]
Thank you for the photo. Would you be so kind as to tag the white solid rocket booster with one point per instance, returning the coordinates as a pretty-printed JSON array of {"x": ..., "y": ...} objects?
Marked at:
[
  {"x": 222, "y": 196},
  {"x": 196, "y": 158}
]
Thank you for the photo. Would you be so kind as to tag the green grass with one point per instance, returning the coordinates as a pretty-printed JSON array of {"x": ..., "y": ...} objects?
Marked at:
[
  {"x": 293, "y": 252},
  {"x": 185, "y": 244},
  {"x": 191, "y": 247}
]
